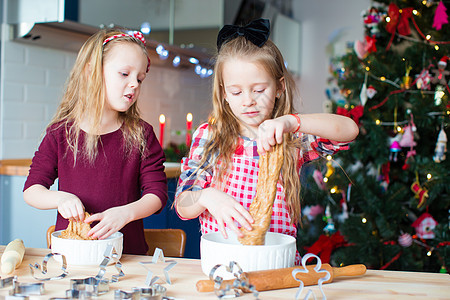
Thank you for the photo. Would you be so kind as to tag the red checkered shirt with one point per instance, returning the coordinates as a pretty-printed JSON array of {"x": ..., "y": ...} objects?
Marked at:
[{"x": 240, "y": 183}]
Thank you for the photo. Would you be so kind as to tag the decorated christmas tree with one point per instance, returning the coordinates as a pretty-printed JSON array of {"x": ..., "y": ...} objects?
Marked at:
[{"x": 385, "y": 202}]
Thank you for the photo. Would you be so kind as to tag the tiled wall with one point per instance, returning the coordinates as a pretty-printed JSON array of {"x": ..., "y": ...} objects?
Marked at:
[{"x": 33, "y": 81}]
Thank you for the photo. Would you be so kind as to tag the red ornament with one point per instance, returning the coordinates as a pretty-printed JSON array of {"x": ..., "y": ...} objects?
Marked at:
[{"x": 424, "y": 226}]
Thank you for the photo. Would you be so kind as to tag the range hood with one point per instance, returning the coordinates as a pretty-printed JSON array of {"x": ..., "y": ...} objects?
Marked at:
[
  {"x": 45, "y": 25},
  {"x": 70, "y": 36}
]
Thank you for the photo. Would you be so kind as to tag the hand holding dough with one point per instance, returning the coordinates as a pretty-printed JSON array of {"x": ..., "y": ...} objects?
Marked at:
[
  {"x": 266, "y": 189},
  {"x": 77, "y": 230}
]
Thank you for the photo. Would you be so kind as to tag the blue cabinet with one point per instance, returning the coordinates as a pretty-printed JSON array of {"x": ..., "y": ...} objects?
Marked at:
[{"x": 168, "y": 218}]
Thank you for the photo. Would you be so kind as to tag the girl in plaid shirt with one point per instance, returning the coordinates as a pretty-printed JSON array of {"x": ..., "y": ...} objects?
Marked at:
[{"x": 253, "y": 110}]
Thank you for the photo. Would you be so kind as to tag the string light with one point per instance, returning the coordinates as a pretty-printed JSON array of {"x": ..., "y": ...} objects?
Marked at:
[
  {"x": 436, "y": 47},
  {"x": 378, "y": 122},
  {"x": 329, "y": 157},
  {"x": 334, "y": 190},
  {"x": 146, "y": 28},
  {"x": 429, "y": 176},
  {"x": 325, "y": 179},
  {"x": 193, "y": 60},
  {"x": 364, "y": 220},
  {"x": 382, "y": 78},
  {"x": 428, "y": 37},
  {"x": 176, "y": 61}
]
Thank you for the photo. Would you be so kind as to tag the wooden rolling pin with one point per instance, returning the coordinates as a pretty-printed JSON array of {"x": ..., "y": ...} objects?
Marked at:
[
  {"x": 282, "y": 278},
  {"x": 12, "y": 256}
]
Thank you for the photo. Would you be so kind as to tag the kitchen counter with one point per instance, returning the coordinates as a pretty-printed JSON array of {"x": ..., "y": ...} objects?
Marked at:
[
  {"x": 20, "y": 167},
  {"x": 373, "y": 285}
]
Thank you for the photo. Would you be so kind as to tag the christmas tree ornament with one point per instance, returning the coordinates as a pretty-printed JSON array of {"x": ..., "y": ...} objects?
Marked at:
[
  {"x": 407, "y": 139},
  {"x": 440, "y": 72},
  {"x": 371, "y": 44},
  {"x": 441, "y": 146},
  {"x": 423, "y": 80},
  {"x": 398, "y": 21},
  {"x": 360, "y": 49},
  {"x": 406, "y": 85},
  {"x": 421, "y": 193},
  {"x": 424, "y": 226},
  {"x": 405, "y": 240},
  {"x": 330, "y": 169},
  {"x": 318, "y": 178},
  {"x": 371, "y": 20},
  {"x": 329, "y": 228},
  {"x": 439, "y": 94},
  {"x": 371, "y": 91},
  {"x": 363, "y": 94},
  {"x": 394, "y": 149},
  {"x": 440, "y": 16},
  {"x": 428, "y": 3}
]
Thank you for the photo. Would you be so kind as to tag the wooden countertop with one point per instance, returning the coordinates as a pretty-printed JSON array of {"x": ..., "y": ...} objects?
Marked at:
[
  {"x": 20, "y": 167},
  {"x": 373, "y": 285}
]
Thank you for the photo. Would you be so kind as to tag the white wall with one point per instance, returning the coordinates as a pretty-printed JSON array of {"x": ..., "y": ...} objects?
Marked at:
[
  {"x": 33, "y": 81},
  {"x": 319, "y": 20}
]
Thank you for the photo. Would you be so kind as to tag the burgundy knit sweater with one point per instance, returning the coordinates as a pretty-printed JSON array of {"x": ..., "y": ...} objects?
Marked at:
[{"x": 114, "y": 179}]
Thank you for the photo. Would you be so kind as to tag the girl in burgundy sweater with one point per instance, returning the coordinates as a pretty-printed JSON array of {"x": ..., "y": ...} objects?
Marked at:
[{"x": 107, "y": 160}]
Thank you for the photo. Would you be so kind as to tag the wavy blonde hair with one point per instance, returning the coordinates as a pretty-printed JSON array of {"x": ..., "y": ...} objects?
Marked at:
[
  {"x": 225, "y": 128},
  {"x": 85, "y": 96}
]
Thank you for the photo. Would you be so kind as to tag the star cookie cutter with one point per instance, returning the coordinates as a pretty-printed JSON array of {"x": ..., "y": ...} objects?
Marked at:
[
  {"x": 305, "y": 270},
  {"x": 154, "y": 292},
  {"x": 240, "y": 284},
  {"x": 43, "y": 270},
  {"x": 158, "y": 256}
]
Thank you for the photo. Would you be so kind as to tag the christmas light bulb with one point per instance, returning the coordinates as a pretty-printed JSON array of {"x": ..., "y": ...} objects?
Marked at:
[
  {"x": 364, "y": 220},
  {"x": 429, "y": 176},
  {"x": 382, "y": 78},
  {"x": 378, "y": 122},
  {"x": 428, "y": 37},
  {"x": 388, "y": 19},
  {"x": 367, "y": 69},
  {"x": 436, "y": 47},
  {"x": 429, "y": 253},
  {"x": 329, "y": 157},
  {"x": 415, "y": 12},
  {"x": 325, "y": 179},
  {"x": 333, "y": 190}
]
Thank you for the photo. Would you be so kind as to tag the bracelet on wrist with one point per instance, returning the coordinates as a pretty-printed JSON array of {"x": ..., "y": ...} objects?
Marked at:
[{"x": 299, "y": 122}]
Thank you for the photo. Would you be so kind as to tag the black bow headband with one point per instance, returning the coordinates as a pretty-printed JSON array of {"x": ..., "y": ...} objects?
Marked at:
[{"x": 257, "y": 32}]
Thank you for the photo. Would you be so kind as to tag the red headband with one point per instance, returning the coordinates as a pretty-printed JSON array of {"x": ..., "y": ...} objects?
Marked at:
[{"x": 136, "y": 34}]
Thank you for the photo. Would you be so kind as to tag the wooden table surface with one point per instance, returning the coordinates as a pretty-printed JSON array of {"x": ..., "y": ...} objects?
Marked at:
[{"x": 373, "y": 285}]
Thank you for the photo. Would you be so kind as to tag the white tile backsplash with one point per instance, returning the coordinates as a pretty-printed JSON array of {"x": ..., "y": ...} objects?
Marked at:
[{"x": 34, "y": 79}]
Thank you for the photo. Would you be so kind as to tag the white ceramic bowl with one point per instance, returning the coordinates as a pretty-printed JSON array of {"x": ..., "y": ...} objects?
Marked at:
[
  {"x": 278, "y": 252},
  {"x": 86, "y": 253}
]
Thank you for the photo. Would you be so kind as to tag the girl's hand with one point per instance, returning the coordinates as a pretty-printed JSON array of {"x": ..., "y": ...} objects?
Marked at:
[
  {"x": 70, "y": 206},
  {"x": 271, "y": 131},
  {"x": 110, "y": 221},
  {"x": 225, "y": 209}
]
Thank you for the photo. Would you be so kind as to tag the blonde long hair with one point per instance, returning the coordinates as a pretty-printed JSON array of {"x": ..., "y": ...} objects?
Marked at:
[
  {"x": 85, "y": 95},
  {"x": 224, "y": 126}
]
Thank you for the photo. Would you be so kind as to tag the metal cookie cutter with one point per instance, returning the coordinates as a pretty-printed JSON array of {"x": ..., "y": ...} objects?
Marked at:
[
  {"x": 44, "y": 268},
  {"x": 26, "y": 289},
  {"x": 240, "y": 284},
  {"x": 158, "y": 256},
  {"x": 154, "y": 292},
  {"x": 110, "y": 253},
  {"x": 74, "y": 294},
  {"x": 90, "y": 284},
  {"x": 7, "y": 282}
]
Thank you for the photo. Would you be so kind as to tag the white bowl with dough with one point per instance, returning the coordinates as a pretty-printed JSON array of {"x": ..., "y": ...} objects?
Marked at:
[
  {"x": 85, "y": 252},
  {"x": 278, "y": 252}
]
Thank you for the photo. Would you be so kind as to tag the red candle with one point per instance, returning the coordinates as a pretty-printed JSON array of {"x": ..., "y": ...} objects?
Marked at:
[
  {"x": 188, "y": 129},
  {"x": 162, "y": 123}
]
